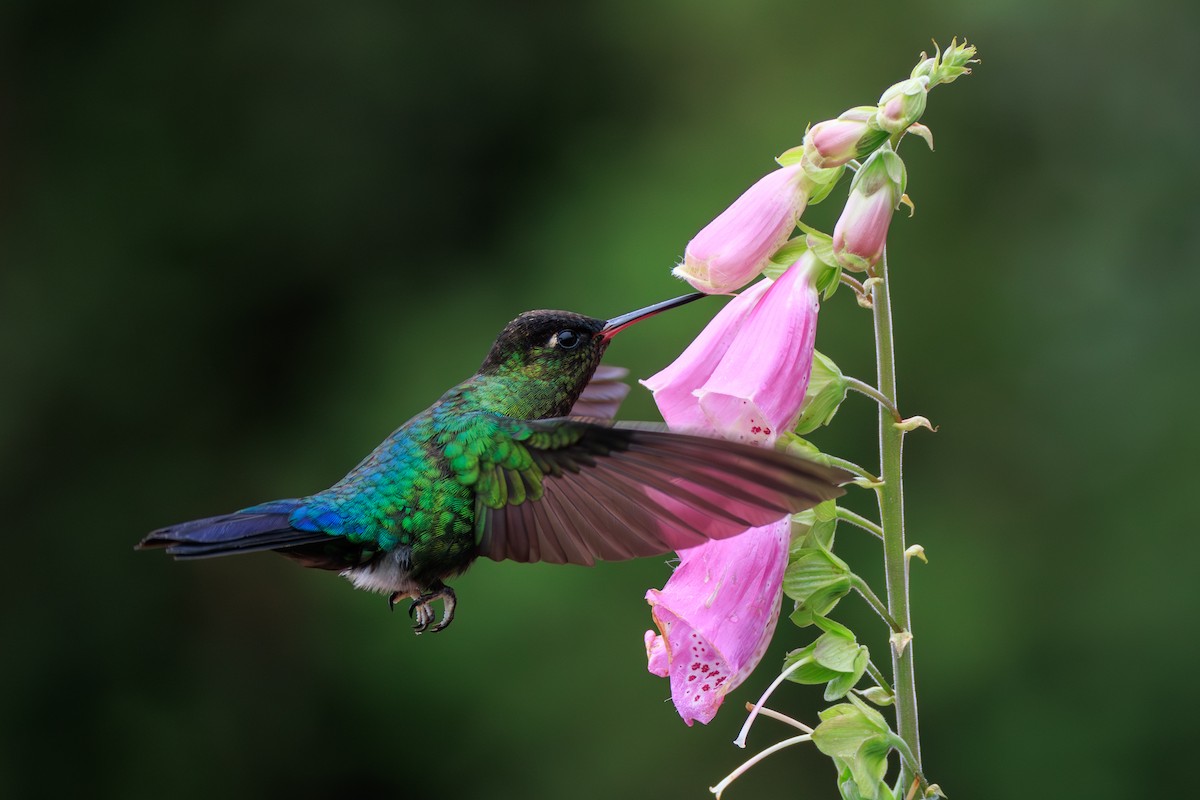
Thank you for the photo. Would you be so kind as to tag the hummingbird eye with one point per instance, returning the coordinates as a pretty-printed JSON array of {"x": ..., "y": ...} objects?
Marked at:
[{"x": 567, "y": 339}]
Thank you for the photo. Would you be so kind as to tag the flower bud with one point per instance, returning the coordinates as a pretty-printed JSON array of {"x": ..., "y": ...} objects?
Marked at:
[
  {"x": 925, "y": 67},
  {"x": 736, "y": 246},
  {"x": 835, "y": 141},
  {"x": 902, "y": 104},
  {"x": 861, "y": 231}
]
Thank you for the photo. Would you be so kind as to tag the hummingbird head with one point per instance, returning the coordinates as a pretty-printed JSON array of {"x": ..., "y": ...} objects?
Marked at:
[{"x": 561, "y": 347}]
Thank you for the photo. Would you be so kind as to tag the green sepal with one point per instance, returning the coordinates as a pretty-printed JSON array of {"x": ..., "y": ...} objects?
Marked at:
[
  {"x": 883, "y": 169},
  {"x": 869, "y": 765},
  {"x": 829, "y": 276},
  {"x": 793, "y": 445},
  {"x": 835, "y": 658},
  {"x": 814, "y": 528},
  {"x": 793, "y": 155},
  {"x": 827, "y": 388},
  {"x": 877, "y": 695},
  {"x": 840, "y": 686},
  {"x": 846, "y": 726},
  {"x": 785, "y": 256},
  {"x": 842, "y": 652},
  {"x": 822, "y": 181},
  {"x": 872, "y": 139},
  {"x": 858, "y": 740},
  {"x": 848, "y": 786},
  {"x": 950, "y": 65},
  {"x": 817, "y": 580}
]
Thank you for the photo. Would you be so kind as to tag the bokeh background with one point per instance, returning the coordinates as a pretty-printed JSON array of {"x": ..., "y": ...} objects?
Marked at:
[{"x": 242, "y": 241}]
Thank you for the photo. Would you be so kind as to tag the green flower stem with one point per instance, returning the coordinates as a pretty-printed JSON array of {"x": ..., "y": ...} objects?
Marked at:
[
  {"x": 850, "y": 466},
  {"x": 860, "y": 521},
  {"x": 874, "y": 602},
  {"x": 891, "y": 504},
  {"x": 880, "y": 681},
  {"x": 879, "y": 397}
]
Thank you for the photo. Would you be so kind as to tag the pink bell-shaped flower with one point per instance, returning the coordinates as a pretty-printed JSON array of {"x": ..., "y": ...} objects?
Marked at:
[
  {"x": 674, "y": 386},
  {"x": 735, "y": 247},
  {"x": 716, "y": 616},
  {"x": 756, "y": 390}
]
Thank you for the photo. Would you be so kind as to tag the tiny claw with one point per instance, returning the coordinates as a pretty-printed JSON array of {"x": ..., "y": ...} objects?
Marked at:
[{"x": 422, "y": 608}]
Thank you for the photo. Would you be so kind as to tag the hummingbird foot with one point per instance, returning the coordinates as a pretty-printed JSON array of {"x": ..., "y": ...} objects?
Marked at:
[{"x": 422, "y": 611}]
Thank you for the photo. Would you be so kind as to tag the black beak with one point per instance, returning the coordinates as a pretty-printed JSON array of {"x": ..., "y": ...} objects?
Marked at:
[{"x": 618, "y": 324}]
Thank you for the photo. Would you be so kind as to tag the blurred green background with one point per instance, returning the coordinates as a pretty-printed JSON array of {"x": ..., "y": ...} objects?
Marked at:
[{"x": 242, "y": 241}]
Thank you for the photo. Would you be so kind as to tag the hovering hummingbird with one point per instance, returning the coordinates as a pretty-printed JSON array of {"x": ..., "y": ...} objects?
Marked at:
[{"x": 521, "y": 461}]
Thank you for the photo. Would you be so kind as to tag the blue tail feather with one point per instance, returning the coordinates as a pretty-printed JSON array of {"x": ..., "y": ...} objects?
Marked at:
[{"x": 261, "y": 527}]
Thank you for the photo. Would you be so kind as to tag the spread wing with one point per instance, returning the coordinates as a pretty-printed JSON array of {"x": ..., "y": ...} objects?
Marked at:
[
  {"x": 573, "y": 491},
  {"x": 603, "y": 395}
]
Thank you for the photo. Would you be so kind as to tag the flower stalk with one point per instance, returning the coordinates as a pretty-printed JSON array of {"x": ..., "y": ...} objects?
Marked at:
[{"x": 891, "y": 509}]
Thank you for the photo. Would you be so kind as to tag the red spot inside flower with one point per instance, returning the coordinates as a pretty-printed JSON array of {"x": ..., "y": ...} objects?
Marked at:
[
  {"x": 756, "y": 429},
  {"x": 704, "y": 668},
  {"x": 720, "y": 680},
  {"x": 696, "y": 666},
  {"x": 705, "y": 688},
  {"x": 767, "y": 431},
  {"x": 691, "y": 678}
]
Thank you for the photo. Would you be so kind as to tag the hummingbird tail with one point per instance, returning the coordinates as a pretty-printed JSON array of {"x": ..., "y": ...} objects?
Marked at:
[{"x": 263, "y": 527}]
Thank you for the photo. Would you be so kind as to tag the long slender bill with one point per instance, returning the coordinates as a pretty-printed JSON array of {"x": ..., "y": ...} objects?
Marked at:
[{"x": 618, "y": 324}]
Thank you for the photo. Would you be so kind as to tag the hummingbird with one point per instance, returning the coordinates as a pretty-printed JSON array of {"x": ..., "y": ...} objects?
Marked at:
[{"x": 521, "y": 461}]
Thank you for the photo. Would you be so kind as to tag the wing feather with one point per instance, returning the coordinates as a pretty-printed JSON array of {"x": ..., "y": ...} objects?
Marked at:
[{"x": 612, "y": 493}]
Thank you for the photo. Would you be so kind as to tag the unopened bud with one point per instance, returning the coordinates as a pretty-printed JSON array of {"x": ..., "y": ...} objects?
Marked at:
[
  {"x": 902, "y": 104},
  {"x": 835, "y": 141},
  {"x": 925, "y": 67},
  {"x": 861, "y": 231}
]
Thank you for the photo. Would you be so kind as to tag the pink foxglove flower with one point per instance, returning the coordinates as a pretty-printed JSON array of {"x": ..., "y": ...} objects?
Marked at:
[
  {"x": 716, "y": 615},
  {"x": 756, "y": 391},
  {"x": 861, "y": 231},
  {"x": 744, "y": 377},
  {"x": 736, "y": 246},
  {"x": 675, "y": 385}
]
